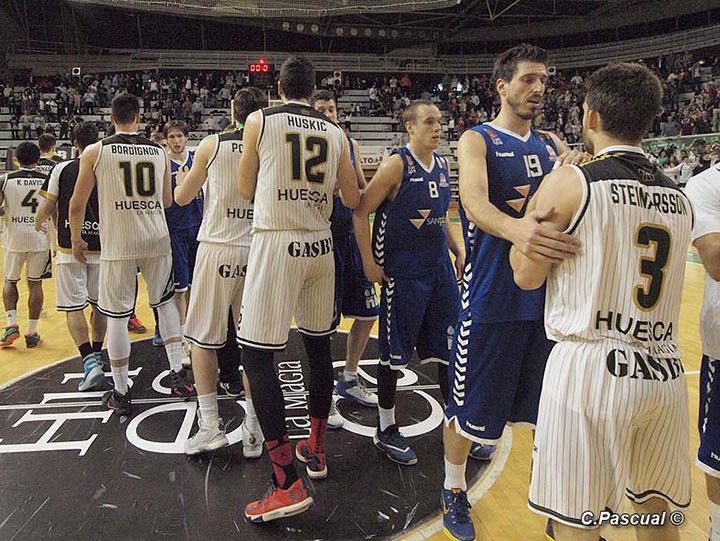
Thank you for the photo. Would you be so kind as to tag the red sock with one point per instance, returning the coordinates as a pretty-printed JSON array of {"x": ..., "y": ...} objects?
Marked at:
[
  {"x": 316, "y": 442},
  {"x": 281, "y": 458}
]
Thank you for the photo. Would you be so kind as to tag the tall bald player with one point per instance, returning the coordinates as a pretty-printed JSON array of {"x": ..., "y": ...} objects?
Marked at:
[
  {"x": 132, "y": 175},
  {"x": 293, "y": 158},
  {"x": 225, "y": 234},
  {"x": 613, "y": 419}
]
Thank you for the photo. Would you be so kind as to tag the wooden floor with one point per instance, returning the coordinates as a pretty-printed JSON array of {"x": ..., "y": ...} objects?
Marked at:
[{"x": 502, "y": 513}]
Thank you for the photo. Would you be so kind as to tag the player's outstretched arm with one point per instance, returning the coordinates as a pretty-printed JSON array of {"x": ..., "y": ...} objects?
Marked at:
[
  {"x": 528, "y": 233},
  {"x": 558, "y": 199},
  {"x": 167, "y": 195},
  {"x": 187, "y": 190},
  {"x": 383, "y": 185},
  {"x": 83, "y": 188},
  {"x": 359, "y": 174},
  {"x": 249, "y": 159},
  {"x": 566, "y": 155},
  {"x": 705, "y": 198},
  {"x": 457, "y": 248},
  {"x": 347, "y": 180}
]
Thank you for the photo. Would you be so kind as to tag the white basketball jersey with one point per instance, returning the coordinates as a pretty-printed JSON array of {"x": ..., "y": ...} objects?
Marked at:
[
  {"x": 299, "y": 152},
  {"x": 634, "y": 228},
  {"x": 20, "y": 190},
  {"x": 130, "y": 170},
  {"x": 227, "y": 217}
]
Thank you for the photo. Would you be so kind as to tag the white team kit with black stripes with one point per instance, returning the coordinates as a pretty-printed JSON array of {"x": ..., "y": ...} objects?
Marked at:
[
  {"x": 224, "y": 236},
  {"x": 76, "y": 283},
  {"x": 613, "y": 418},
  {"x": 23, "y": 245},
  {"x": 291, "y": 266},
  {"x": 130, "y": 172}
]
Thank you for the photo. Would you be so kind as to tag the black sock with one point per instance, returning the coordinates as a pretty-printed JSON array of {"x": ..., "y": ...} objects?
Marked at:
[
  {"x": 97, "y": 347},
  {"x": 317, "y": 349},
  {"x": 157, "y": 319},
  {"x": 266, "y": 392},
  {"x": 387, "y": 384},
  {"x": 442, "y": 375},
  {"x": 85, "y": 349},
  {"x": 229, "y": 355}
]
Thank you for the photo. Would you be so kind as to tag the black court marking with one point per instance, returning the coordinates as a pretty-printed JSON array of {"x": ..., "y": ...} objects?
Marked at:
[{"x": 72, "y": 470}]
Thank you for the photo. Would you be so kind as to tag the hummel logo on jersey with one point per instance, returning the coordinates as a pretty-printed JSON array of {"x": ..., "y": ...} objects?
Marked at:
[
  {"x": 418, "y": 222},
  {"x": 417, "y": 179},
  {"x": 510, "y": 154},
  {"x": 519, "y": 203}
]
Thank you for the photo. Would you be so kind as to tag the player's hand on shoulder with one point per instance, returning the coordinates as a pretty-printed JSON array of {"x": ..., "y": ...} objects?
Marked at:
[
  {"x": 79, "y": 247},
  {"x": 540, "y": 241},
  {"x": 572, "y": 157},
  {"x": 375, "y": 273}
]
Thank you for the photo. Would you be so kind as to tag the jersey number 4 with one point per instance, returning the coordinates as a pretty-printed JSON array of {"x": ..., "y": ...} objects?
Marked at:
[
  {"x": 318, "y": 147},
  {"x": 141, "y": 181},
  {"x": 646, "y": 297},
  {"x": 30, "y": 201}
]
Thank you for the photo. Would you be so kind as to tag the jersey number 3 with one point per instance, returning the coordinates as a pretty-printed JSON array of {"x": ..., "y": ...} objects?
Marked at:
[{"x": 646, "y": 297}]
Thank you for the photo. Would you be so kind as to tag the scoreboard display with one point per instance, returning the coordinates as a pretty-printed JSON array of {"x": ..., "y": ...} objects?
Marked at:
[{"x": 262, "y": 73}]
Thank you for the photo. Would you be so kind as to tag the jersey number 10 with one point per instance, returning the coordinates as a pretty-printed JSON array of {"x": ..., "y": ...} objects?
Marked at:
[{"x": 142, "y": 178}]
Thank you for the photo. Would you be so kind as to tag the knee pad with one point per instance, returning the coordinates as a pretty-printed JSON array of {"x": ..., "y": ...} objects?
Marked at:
[
  {"x": 169, "y": 321},
  {"x": 118, "y": 343}
]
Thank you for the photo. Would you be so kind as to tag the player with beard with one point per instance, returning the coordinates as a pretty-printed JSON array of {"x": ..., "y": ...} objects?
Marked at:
[{"x": 500, "y": 349}]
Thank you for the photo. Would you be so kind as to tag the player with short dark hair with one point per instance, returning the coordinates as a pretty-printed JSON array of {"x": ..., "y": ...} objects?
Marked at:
[
  {"x": 220, "y": 269},
  {"x": 132, "y": 175},
  {"x": 292, "y": 161},
  {"x": 499, "y": 349},
  {"x": 23, "y": 245},
  {"x": 409, "y": 256},
  {"x": 355, "y": 296},
  {"x": 77, "y": 283},
  {"x": 613, "y": 420}
]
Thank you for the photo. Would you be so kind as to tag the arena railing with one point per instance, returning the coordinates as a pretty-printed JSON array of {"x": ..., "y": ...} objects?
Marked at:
[{"x": 574, "y": 57}]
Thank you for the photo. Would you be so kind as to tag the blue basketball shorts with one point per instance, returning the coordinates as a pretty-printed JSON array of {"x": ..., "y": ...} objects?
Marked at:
[
  {"x": 355, "y": 295},
  {"x": 184, "y": 247}
]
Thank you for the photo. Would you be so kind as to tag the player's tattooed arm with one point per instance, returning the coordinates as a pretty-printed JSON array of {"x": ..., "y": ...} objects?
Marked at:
[
  {"x": 187, "y": 191},
  {"x": 83, "y": 188},
  {"x": 347, "y": 181},
  {"x": 384, "y": 185},
  {"x": 557, "y": 200},
  {"x": 528, "y": 233},
  {"x": 249, "y": 159}
]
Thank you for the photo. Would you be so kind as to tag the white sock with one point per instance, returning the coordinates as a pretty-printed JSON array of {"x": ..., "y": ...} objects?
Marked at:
[
  {"x": 120, "y": 378},
  {"x": 209, "y": 409},
  {"x": 349, "y": 375},
  {"x": 714, "y": 521},
  {"x": 174, "y": 355},
  {"x": 250, "y": 415},
  {"x": 387, "y": 417},
  {"x": 32, "y": 325},
  {"x": 455, "y": 475},
  {"x": 11, "y": 318}
]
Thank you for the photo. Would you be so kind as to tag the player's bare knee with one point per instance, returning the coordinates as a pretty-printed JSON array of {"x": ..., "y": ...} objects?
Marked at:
[
  {"x": 570, "y": 533},
  {"x": 653, "y": 505}
]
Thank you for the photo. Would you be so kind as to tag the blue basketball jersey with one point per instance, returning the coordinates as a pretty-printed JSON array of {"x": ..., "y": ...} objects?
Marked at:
[
  {"x": 409, "y": 237},
  {"x": 190, "y": 215},
  {"x": 515, "y": 167},
  {"x": 341, "y": 217}
]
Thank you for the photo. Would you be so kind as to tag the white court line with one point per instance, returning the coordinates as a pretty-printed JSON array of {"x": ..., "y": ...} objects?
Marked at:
[{"x": 692, "y": 373}]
